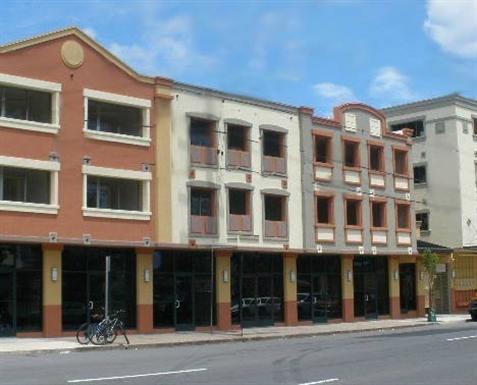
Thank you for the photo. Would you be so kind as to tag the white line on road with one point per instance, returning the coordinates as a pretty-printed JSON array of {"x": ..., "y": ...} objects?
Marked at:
[
  {"x": 137, "y": 375},
  {"x": 461, "y": 338},
  {"x": 321, "y": 381}
]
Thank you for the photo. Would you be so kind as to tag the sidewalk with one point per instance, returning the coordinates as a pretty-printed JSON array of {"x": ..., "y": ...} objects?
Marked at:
[{"x": 68, "y": 344}]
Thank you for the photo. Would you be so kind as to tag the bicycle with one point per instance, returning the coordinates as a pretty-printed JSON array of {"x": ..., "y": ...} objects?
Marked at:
[
  {"x": 102, "y": 333},
  {"x": 85, "y": 331}
]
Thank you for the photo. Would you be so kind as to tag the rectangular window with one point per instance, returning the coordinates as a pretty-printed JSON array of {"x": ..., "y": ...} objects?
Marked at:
[
  {"x": 376, "y": 158},
  {"x": 378, "y": 214},
  {"x": 324, "y": 210},
  {"x": 417, "y": 127},
  {"x": 273, "y": 144},
  {"x": 322, "y": 149},
  {"x": 202, "y": 132},
  {"x": 400, "y": 162},
  {"x": 114, "y": 193},
  {"x": 114, "y": 118},
  {"x": 403, "y": 219},
  {"x": 201, "y": 202},
  {"x": 237, "y": 137},
  {"x": 25, "y": 185},
  {"x": 238, "y": 202},
  {"x": 420, "y": 174},
  {"x": 474, "y": 121},
  {"x": 423, "y": 218},
  {"x": 274, "y": 208},
  {"x": 351, "y": 153},
  {"x": 353, "y": 212},
  {"x": 24, "y": 104}
]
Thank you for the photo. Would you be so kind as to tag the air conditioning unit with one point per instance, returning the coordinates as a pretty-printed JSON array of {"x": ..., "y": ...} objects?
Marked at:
[
  {"x": 53, "y": 237},
  {"x": 361, "y": 250},
  {"x": 87, "y": 239}
]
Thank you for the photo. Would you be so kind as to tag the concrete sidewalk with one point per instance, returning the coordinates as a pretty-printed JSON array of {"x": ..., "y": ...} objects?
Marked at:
[{"x": 69, "y": 344}]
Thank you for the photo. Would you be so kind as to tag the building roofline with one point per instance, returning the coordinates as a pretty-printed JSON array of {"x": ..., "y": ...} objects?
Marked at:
[{"x": 454, "y": 98}]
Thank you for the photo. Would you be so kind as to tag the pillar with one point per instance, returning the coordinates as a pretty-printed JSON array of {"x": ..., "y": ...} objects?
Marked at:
[
  {"x": 394, "y": 300},
  {"x": 420, "y": 288},
  {"x": 52, "y": 325},
  {"x": 347, "y": 287},
  {"x": 144, "y": 290},
  {"x": 289, "y": 289},
  {"x": 223, "y": 289}
]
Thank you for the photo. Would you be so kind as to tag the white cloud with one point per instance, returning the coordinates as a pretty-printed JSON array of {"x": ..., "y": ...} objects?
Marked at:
[
  {"x": 334, "y": 92},
  {"x": 391, "y": 84},
  {"x": 453, "y": 25},
  {"x": 91, "y": 32}
]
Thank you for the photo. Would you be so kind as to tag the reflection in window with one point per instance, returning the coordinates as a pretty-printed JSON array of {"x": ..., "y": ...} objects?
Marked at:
[
  {"x": 114, "y": 118},
  {"x": 23, "y": 104},
  {"x": 201, "y": 202},
  {"x": 24, "y": 185},
  {"x": 114, "y": 193}
]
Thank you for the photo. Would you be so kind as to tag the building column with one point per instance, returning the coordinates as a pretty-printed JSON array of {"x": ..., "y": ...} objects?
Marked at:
[
  {"x": 347, "y": 287},
  {"x": 393, "y": 277},
  {"x": 420, "y": 288},
  {"x": 289, "y": 289},
  {"x": 223, "y": 289},
  {"x": 52, "y": 271},
  {"x": 144, "y": 290}
]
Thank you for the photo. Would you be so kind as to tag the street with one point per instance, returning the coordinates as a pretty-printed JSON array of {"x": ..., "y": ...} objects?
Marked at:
[{"x": 437, "y": 355}]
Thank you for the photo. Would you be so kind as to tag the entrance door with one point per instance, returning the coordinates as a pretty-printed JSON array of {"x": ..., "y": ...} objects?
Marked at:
[
  {"x": 96, "y": 292},
  {"x": 319, "y": 298},
  {"x": 407, "y": 287},
  {"x": 264, "y": 300},
  {"x": 370, "y": 296},
  {"x": 7, "y": 303},
  {"x": 249, "y": 301},
  {"x": 184, "y": 303},
  {"x": 441, "y": 293}
]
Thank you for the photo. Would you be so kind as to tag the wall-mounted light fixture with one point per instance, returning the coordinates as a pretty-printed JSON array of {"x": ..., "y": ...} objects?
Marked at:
[
  {"x": 225, "y": 275},
  {"x": 54, "y": 274},
  {"x": 147, "y": 275},
  {"x": 396, "y": 275},
  {"x": 453, "y": 274},
  {"x": 292, "y": 276},
  {"x": 349, "y": 275},
  {"x": 421, "y": 275}
]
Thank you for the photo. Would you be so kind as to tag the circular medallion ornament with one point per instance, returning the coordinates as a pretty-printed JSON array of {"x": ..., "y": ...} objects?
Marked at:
[{"x": 72, "y": 54}]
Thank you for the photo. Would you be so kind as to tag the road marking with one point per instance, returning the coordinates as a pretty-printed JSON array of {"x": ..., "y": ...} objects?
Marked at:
[
  {"x": 461, "y": 338},
  {"x": 321, "y": 382},
  {"x": 138, "y": 375}
]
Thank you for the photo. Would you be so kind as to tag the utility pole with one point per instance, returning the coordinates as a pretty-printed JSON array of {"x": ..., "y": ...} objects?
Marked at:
[{"x": 106, "y": 287}]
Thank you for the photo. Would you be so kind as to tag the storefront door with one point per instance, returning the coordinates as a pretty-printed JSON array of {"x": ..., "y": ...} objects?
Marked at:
[
  {"x": 370, "y": 296},
  {"x": 319, "y": 298},
  {"x": 7, "y": 303},
  {"x": 407, "y": 287},
  {"x": 95, "y": 293},
  {"x": 184, "y": 303}
]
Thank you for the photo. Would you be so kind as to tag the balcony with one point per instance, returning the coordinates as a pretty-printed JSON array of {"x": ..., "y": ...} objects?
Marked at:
[
  {"x": 203, "y": 225},
  {"x": 275, "y": 229},
  {"x": 237, "y": 158},
  {"x": 274, "y": 165},
  {"x": 242, "y": 223},
  {"x": 203, "y": 155}
]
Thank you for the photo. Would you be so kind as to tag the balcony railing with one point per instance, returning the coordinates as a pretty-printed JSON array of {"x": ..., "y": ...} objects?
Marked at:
[
  {"x": 238, "y": 158},
  {"x": 203, "y": 225},
  {"x": 275, "y": 229},
  {"x": 274, "y": 165},
  {"x": 240, "y": 222},
  {"x": 203, "y": 155}
]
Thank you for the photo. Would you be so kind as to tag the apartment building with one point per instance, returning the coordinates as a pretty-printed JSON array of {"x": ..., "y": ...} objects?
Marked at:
[
  {"x": 445, "y": 179},
  {"x": 217, "y": 209}
]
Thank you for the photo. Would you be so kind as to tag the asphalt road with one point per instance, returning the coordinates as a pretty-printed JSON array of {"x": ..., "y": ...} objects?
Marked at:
[{"x": 434, "y": 355}]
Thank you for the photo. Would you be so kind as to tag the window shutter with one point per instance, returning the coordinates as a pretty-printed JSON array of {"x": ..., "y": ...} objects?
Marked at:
[
  {"x": 375, "y": 127},
  {"x": 350, "y": 122}
]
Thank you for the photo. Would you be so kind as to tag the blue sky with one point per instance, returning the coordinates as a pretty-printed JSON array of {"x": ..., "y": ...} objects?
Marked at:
[{"x": 314, "y": 53}]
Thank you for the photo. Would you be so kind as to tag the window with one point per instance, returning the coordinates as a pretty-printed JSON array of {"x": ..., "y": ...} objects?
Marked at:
[
  {"x": 114, "y": 118},
  {"x": 378, "y": 214},
  {"x": 114, "y": 194},
  {"x": 403, "y": 219},
  {"x": 238, "y": 202},
  {"x": 237, "y": 137},
  {"x": 323, "y": 149},
  {"x": 400, "y": 162},
  {"x": 376, "y": 161},
  {"x": 324, "y": 210},
  {"x": 420, "y": 174},
  {"x": 353, "y": 212},
  {"x": 273, "y": 144},
  {"x": 423, "y": 218},
  {"x": 24, "y": 185},
  {"x": 23, "y": 104},
  {"x": 417, "y": 127},
  {"x": 201, "y": 202},
  {"x": 201, "y": 132},
  {"x": 274, "y": 208},
  {"x": 351, "y": 152},
  {"x": 474, "y": 120}
]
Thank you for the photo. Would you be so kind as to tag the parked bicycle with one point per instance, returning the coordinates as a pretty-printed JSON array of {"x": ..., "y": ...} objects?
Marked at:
[{"x": 102, "y": 332}]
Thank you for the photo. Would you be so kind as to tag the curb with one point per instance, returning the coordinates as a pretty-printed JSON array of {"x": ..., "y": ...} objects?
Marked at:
[{"x": 243, "y": 339}]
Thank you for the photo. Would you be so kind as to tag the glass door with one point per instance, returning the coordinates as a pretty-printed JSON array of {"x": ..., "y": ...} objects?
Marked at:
[
  {"x": 7, "y": 303},
  {"x": 407, "y": 287},
  {"x": 96, "y": 292},
  {"x": 320, "y": 298},
  {"x": 264, "y": 300},
  {"x": 370, "y": 295},
  {"x": 249, "y": 301},
  {"x": 184, "y": 302}
]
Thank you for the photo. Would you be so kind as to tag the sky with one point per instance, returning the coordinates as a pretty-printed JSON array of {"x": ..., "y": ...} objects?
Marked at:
[{"x": 312, "y": 53}]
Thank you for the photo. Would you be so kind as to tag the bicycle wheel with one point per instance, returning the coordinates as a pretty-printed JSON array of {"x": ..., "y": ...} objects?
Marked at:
[
  {"x": 111, "y": 335},
  {"x": 98, "y": 335},
  {"x": 83, "y": 334}
]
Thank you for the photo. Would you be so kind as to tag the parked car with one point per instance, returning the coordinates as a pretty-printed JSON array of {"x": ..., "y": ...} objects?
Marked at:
[{"x": 473, "y": 308}]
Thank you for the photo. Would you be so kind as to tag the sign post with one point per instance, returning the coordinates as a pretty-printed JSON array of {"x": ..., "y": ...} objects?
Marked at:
[{"x": 106, "y": 287}]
